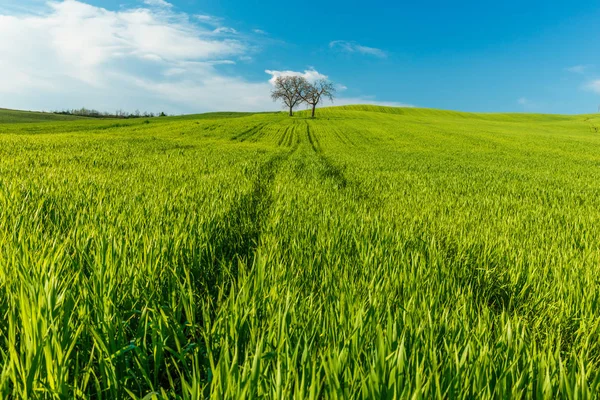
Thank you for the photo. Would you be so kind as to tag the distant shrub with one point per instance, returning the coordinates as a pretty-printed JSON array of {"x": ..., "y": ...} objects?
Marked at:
[{"x": 91, "y": 113}]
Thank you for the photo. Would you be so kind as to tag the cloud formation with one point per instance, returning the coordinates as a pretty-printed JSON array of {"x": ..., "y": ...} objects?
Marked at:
[
  {"x": 70, "y": 54},
  {"x": 74, "y": 54},
  {"x": 310, "y": 75},
  {"x": 529, "y": 105},
  {"x": 224, "y": 29},
  {"x": 578, "y": 69},
  {"x": 158, "y": 3},
  {"x": 353, "y": 47},
  {"x": 594, "y": 86}
]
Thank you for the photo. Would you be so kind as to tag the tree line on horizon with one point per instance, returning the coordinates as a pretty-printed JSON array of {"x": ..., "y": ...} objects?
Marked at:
[
  {"x": 291, "y": 90},
  {"x": 91, "y": 113},
  {"x": 296, "y": 90}
]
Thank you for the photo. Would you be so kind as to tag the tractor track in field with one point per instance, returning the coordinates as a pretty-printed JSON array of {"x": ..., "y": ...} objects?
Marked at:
[
  {"x": 284, "y": 140},
  {"x": 249, "y": 133},
  {"x": 330, "y": 170},
  {"x": 342, "y": 137},
  {"x": 593, "y": 127},
  {"x": 336, "y": 173},
  {"x": 236, "y": 236},
  {"x": 312, "y": 139}
]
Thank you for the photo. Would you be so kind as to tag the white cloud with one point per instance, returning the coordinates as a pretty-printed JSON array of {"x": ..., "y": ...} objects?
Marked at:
[
  {"x": 208, "y": 19},
  {"x": 311, "y": 75},
  {"x": 529, "y": 105},
  {"x": 259, "y": 31},
  {"x": 217, "y": 93},
  {"x": 594, "y": 86},
  {"x": 73, "y": 54},
  {"x": 158, "y": 3},
  {"x": 578, "y": 69},
  {"x": 225, "y": 29},
  {"x": 341, "y": 87},
  {"x": 353, "y": 47}
]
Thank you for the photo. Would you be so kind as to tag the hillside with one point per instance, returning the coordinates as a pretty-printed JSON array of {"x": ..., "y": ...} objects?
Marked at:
[
  {"x": 17, "y": 116},
  {"x": 373, "y": 252}
]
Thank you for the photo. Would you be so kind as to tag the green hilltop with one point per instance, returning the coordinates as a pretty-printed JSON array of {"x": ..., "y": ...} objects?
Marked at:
[{"x": 17, "y": 116}]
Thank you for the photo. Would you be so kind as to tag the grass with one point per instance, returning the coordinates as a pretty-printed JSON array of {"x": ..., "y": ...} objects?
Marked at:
[
  {"x": 369, "y": 253},
  {"x": 16, "y": 116}
]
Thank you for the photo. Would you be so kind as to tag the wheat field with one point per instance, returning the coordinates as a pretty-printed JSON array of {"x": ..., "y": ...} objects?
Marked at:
[{"x": 371, "y": 252}]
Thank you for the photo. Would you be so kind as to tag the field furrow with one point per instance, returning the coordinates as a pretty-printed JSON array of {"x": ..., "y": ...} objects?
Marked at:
[{"x": 370, "y": 252}]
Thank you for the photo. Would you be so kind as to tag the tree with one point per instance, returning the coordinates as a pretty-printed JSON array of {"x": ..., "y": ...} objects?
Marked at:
[
  {"x": 313, "y": 94},
  {"x": 290, "y": 90}
]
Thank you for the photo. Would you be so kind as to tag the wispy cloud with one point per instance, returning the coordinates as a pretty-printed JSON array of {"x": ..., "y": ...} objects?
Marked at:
[
  {"x": 158, "y": 3},
  {"x": 353, "y": 47},
  {"x": 224, "y": 29},
  {"x": 259, "y": 31},
  {"x": 529, "y": 105},
  {"x": 208, "y": 19},
  {"x": 590, "y": 83},
  {"x": 594, "y": 86},
  {"x": 578, "y": 69}
]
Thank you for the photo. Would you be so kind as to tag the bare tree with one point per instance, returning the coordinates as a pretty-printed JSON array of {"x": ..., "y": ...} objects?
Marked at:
[
  {"x": 290, "y": 90},
  {"x": 313, "y": 94}
]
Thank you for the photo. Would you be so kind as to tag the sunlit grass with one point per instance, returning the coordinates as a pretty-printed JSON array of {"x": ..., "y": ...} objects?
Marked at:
[{"x": 369, "y": 253}]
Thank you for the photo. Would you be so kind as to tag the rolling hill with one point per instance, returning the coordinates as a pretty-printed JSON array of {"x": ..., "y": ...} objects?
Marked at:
[
  {"x": 372, "y": 252},
  {"x": 17, "y": 116}
]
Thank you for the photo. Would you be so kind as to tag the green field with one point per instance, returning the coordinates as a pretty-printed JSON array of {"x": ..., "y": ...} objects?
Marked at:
[
  {"x": 15, "y": 116},
  {"x": 370, "y": 253}
]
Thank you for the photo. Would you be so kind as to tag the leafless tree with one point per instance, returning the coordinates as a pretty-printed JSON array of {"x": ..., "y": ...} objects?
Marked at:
[
  {"x": 290, "y": 90},
  {"x": 314, "y": 93}
]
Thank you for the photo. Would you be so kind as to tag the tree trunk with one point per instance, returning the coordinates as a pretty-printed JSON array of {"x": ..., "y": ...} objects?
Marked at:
[
  {"x": 313, "y": 110},
  {"x": 291, "y": 112}
]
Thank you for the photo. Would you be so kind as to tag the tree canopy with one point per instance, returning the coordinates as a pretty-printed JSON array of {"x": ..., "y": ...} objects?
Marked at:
[{"x": 295, "y": 90}]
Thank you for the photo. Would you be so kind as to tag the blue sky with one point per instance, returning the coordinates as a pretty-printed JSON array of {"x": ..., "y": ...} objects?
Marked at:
[{"x": 186, "y": 56}]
